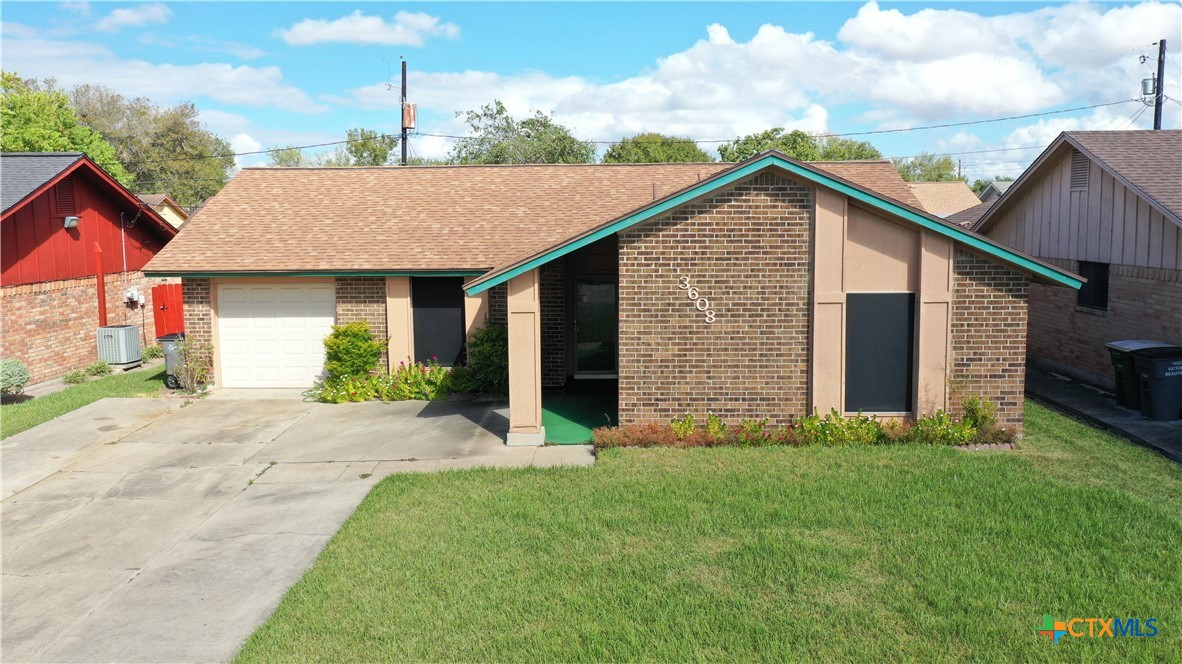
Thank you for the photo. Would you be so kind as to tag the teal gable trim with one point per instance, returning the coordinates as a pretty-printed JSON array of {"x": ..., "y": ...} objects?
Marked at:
[
  {"x": 745, "y": 170},
  {"x": 243, "y": 275}
]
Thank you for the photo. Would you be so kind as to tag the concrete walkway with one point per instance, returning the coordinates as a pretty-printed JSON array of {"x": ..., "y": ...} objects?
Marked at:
[
  {"x": 150, "y": 530},
  {"x": 1099, "y": 408}
]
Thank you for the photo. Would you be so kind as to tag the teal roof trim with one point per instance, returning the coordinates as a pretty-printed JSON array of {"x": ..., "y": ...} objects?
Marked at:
[
  {"x": 744, "y": 170},
  {"x": 400, "y": 273}
]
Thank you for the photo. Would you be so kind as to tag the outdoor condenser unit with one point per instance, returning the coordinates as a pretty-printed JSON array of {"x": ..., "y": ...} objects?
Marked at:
[{"x": 119, "y": 344}]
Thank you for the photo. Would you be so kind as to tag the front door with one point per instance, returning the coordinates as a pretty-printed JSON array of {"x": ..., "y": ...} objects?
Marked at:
[{"x": 596, "y": 326}]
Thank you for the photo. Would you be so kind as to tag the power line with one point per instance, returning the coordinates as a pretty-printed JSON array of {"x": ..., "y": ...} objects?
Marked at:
[{"x": 713, "y": 141}]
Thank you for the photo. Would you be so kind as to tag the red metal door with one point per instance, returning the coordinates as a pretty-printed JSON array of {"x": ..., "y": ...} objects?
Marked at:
[{"x": 169, "y": 309}]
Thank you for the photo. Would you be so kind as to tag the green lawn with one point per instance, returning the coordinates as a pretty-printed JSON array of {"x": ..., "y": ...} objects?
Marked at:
[
  {"x": 17, "y": 417},
  {"x": 847, "y": 554}
]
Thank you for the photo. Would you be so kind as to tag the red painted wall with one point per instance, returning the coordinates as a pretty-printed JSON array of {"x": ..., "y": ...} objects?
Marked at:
[{"x": 35, "y": 247}]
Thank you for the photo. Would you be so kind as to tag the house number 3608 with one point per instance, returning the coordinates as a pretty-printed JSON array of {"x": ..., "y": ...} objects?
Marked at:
[{"x": 700, "y": 303}]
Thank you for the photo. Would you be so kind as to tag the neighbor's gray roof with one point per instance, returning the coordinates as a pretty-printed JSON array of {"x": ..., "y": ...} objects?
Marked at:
[{"x": 22, "y": 173}]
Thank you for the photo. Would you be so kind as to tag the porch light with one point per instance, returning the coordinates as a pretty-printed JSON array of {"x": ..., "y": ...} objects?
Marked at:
[{"x": 72, "y": 222}]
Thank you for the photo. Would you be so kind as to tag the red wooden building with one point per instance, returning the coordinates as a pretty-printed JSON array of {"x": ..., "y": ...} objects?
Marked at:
[{"x": 72, "y": 244}]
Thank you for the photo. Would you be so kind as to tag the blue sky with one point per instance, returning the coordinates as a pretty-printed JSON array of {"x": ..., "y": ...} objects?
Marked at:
[{"x": 266, "y": 74}]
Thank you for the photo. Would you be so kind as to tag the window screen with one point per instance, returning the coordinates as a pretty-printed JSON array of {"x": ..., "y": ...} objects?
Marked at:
[
  {"x": 879, "y": 352},
  {"x": 1094, "y": 293},
  {"x": 438, "y": 306}
]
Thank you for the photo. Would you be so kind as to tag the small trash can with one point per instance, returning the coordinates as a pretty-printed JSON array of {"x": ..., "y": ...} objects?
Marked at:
[
  {"x": 1128, "y": 383},
  {"x": 172, "y": 358},
  {"x": 1160, "y": 371}
]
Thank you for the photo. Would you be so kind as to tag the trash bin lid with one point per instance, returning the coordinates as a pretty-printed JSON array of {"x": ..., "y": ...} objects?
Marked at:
[
  {"x": 1162, "y": 353},
  {"x": 1136, "y": 344},
  {"x": 171, "y": 337}
]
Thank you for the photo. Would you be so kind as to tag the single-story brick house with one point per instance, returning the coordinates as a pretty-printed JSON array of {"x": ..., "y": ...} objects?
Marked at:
[
  {"x": 67, "y": 224},
  {"x": 1106, "y": 205},
  {"x": 766, "y": 288}
]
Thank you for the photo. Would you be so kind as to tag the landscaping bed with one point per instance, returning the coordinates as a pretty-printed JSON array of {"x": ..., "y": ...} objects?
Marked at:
[{"x": 857, "y": 553}]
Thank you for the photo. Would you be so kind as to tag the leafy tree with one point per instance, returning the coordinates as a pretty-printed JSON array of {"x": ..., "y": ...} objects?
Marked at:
[
  {"x": 836, "y": 148},
  {"x": 497, "y": 138},
  {"x": 36, "y": 117},
  {"x": 798, "y": 145},
  {"x": 927, "y": 167},
  {"x": 367, "y": 147},
  {"x": 653, "y": 148},
  {"x": 165, "y": 149},
  {"x": 980, "y": 184},
  {"x": 287, "y": 156}
]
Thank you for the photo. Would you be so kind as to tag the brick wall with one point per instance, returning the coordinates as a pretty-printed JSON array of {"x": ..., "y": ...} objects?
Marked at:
[
  {"x": 747, "y": 251},
  {"x": 51, "y": 326},
  {"x": 364, "y": 299},
  {"x": 553, "y": 301},
  {"x": 988, "y": 335},
  {"x": 196, "y": 294},
  {"x": 498, "y": 304},
  {"x": 1142, "y": 304}
]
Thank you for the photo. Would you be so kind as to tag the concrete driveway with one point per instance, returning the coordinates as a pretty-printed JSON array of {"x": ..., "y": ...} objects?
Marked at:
[{"x": 147, "y": 530}]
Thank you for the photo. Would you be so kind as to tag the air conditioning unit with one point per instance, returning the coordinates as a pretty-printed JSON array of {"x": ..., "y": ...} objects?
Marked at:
[{"x": 119, "y": 344}]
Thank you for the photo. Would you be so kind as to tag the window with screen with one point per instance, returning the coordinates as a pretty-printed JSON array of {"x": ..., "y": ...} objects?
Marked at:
[
  {"x": 1094, "y": 293},
  {"x": 879, "y": 352}
]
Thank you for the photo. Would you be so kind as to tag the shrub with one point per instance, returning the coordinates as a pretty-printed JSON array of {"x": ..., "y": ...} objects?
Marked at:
[
  {"x": 155, "y": 351},
  {"x": 752, "y": 433},
  {"x": 196, "y": 363},
  {"x": 488, "y": 359},
  {"x": 351, "y": 350},
  {"x": 14, "y": 377},
  {"x": 74, "y": 377},
  {"x": 415, "y": 381},
  {"x": 683, "y": 427},
  {"x": 461, "y": 380},
  {"x": 979, "y": 412},
  {"x": 99, "y": 368},
  {"x": 715, "y": 427},
  {"x": 941, "y": 429}
]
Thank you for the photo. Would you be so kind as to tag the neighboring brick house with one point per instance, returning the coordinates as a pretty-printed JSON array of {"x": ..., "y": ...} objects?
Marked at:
[
  {"x": 58, "y": 210},
  {"x": 1107, "y": 205},
  {"x": 768, "y": 288}
]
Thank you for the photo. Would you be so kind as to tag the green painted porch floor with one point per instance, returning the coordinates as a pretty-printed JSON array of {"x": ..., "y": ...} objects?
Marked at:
[{"x": 569, "y": 418}]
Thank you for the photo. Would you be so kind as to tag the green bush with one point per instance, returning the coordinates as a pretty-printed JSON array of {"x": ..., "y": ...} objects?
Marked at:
[
  {"x": 153, "y": 352},
  {"x": 350, "y": 350},
  {"x": 74, "y": 377},
  {"x": 99, "y": 368},
  {"x": 488, "y": 359},
  {"x": 684, "y": 426},
  {"x": 415, "y": 381},
  {"x": 14, "y": 377}
]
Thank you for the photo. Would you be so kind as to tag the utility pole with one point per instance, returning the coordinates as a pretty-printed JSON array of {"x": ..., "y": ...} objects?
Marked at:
[
  {"x": 1160, "y": 92},
  {"x": 402, "y": 111}
]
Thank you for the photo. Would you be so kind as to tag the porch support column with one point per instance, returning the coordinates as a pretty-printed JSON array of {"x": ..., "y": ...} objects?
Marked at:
[
  {"x": 399, "y": 320},
  {"x": 475, "y": 312},
  {"x": 525, "y": 360}
]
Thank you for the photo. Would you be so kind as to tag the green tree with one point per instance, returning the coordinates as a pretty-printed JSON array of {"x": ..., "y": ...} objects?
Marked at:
[
  {"x": 367, "y": 147},
  {"x": 653, "y": 148},
  {"x": 836, "y": 148},
  {"x": 165, "y": 149},
  {"x": 927, "y": 167},
  {"x": 37, "y": 117},
  {"x": 287, "y": 156},
  {"x": 495, "y": 137},
  {"x": 796, "y": 144}
]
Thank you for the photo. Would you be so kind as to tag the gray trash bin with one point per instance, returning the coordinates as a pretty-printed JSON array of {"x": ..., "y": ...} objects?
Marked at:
[
  {"x": 1128, "y": 383},
  {"x": 172, "y": 358},
  {"x": 1160, "y": 371}
]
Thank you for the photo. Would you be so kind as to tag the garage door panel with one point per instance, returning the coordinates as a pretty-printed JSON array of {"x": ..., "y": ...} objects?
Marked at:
[{"x": 273, "y": 334}]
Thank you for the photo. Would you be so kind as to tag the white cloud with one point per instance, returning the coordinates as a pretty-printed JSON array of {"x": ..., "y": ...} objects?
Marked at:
[
  {"x": 73, "y": 62},
  {"x": 247, "y": 143},
  {"x": 203, "y": 44},
  {"x": 134, "y": 17},
  {"x": 407, "y": 29},
  {"x": 81, "y": 8}
]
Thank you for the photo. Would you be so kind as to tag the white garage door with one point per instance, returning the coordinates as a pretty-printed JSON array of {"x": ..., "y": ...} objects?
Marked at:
[{"x": 272, "y": 335}]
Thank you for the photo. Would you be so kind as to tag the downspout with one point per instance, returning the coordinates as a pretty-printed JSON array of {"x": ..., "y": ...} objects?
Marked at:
[{"x": 102, "y": 285}]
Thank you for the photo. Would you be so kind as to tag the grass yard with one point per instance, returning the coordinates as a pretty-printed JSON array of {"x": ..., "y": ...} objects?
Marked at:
[
  {"x": 846, "y": 554},
  {"x": 17, "y": 417}
]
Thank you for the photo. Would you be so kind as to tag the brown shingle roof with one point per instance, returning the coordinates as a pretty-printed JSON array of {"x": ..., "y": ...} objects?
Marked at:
[
  {"x": 944, "y": 198},
  {"x": 968, "y": 218},
  {"x": 427, "y": 218},
  {"x": 879, "y": 176},
  {"x": 1150, "y": 160}
]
